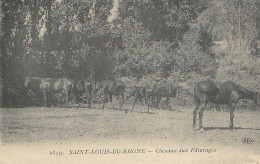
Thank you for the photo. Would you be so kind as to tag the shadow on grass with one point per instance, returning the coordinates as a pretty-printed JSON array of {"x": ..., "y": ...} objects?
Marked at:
[
  {"x": 227, "y": 128},
  {"x": 118, "y": 109},
  {"x": 174, "y": 110},
  {"x": 147, "y": 112}
]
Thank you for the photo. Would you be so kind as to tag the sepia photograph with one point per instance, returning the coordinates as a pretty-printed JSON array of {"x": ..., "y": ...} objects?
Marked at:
[{"x": 130, "y": 81}]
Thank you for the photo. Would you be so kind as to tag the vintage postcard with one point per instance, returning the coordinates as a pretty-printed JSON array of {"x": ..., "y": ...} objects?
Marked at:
[{"x": 130, "y": 81}]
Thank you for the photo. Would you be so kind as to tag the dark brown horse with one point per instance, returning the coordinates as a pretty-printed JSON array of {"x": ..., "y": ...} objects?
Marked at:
[
  {"x": 139, "y": 93},
  {"x": 163, "y": 89},
  {"x": 53, "y": 86},
  {"x": 111, "y": 88},
  {"x": 220, "y": 93},
  {"x": 84, "y": 88}
]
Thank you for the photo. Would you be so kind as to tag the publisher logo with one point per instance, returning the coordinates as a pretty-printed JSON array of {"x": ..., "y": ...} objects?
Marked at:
[{"x": 247, "y": 140}]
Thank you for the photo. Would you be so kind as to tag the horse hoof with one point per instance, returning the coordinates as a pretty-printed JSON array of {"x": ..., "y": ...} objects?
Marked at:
[{"x": 201, "y": 130}]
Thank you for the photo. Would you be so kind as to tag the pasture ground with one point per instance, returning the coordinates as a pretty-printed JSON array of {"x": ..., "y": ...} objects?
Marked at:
[{"x": 109, "y": 128}]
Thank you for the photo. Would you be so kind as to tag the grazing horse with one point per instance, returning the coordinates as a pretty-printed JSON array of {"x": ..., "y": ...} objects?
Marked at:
[
  {"x": 111, "y": 88},
  {"x": 227, "y": 93},
  {"x": 33, "y": 87},
  {"x": 84, "y": 87},
  {"x": 164, "y": 89},
  {"x": 56, "y": 85},
  {"x": 139, "y": 93}
]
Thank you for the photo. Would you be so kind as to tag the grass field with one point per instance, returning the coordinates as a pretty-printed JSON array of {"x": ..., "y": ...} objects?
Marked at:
[
  {"x": 56, "y": 126},
  {"x": 35, "y": 124}
]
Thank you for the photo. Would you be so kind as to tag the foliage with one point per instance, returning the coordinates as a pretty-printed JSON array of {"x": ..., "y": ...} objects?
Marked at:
[{"x": 147, "y": 41}]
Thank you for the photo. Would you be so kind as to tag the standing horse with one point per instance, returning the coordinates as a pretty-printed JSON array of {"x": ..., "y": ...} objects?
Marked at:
[
  {"x": 84, "y": 87},
  {"x": 164, "y": 89},
  {"x": 224, "y": 93},
  {"x": 111, "y": 88},
  {"x": 54, "y": 86},
  {"x": 139, "y": 93}
]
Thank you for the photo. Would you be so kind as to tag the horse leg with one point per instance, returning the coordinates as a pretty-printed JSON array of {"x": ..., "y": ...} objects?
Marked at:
[
  {"x": 140, "y": 100},
  {"x": 67, "y": 99},
  {"x": 90, "y": 96},
  {"x": 167, "y": 101},
  {"x": 80, "y": 100},
  {"x": 145, "y": 99},
  {"x": 195, "y": 114},
  {"x": 221, "y": 108},
  {"x": 104, "y": 100},
  {"x": 158, "y": 101},
  {"x": 134, "y": 104},
  {"x": 148, "y": 103},
  {"x": 201, "y": 111},
  {"x": 45, "y": 98},
  {"x": 231, "y": 116},
  {"x": 111, "y": 101},
  {"x": 89, "y": 100},
  {"x": 121, "y": 105}
]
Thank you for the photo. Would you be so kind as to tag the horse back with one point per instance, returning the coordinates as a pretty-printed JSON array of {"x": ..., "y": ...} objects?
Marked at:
[
  {"x": 112, "y": 87},
  {"x": 208, "y": 87},
  {"x": 166, "y": 89},
  {"x": 35, "y": 83},
  {"x": 57, "y": 84}
]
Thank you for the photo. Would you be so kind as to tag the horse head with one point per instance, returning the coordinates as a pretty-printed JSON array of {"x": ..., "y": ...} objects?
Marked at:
[
  {"x": 27, "y": 80},
  {"x": 98, "y": 85}
]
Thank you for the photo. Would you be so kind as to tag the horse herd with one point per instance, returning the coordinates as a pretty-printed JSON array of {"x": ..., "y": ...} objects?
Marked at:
[
  {"x": 88, "y": 88},
  {"x": 228, "y": 93}
]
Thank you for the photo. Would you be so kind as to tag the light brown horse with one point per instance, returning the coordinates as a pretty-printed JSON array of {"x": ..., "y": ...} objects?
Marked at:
[{"x": 56, "y": 85}]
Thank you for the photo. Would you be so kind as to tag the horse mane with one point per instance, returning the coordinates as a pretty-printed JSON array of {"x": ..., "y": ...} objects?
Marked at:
[{"x": 36, "y": 78}]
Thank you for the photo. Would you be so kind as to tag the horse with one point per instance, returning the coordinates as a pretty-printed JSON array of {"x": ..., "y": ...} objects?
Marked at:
[
  {"x": 164, "y": 89},
  {"x": 33, "y": 87},
  {"x": 139, "y": 93},
  {"x": 227, "y": 93},
  {"x": 32, "y": 82},
  {"x": 56, "y": 85},
  {"x": 111, "y": 88},
  {"x": 84, "y": 87}
]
